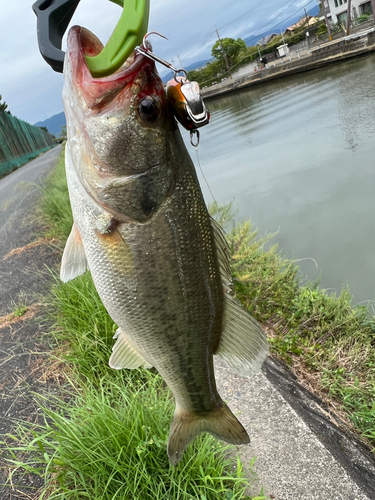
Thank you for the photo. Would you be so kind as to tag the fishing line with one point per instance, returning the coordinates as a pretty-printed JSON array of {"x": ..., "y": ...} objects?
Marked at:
[{"x": 204, "y": 177}]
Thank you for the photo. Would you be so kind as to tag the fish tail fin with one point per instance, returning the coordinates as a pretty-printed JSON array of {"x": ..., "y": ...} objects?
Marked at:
[{"x": 220, "y": 423}]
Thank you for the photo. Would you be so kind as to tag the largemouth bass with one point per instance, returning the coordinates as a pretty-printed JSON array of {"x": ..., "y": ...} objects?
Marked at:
[{"x": 159, "y": 262}]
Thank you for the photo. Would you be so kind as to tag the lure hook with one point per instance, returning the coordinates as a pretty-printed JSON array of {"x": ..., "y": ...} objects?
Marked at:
[
  {"x": 146, "y": 50},
  {"x": 153, "y": 33}
]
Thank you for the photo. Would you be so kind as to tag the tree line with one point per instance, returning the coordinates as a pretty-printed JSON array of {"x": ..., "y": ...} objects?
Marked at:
[{"x": 238, "y": 53}]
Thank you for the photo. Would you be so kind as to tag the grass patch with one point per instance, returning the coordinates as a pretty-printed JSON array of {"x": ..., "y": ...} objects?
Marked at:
[
  {"x": 109, "y": 442},
  {"x": 105, "y": 435},
  {"x": 328, "y": 342},
  {"x": 55, "y": 205},
  {"x": 19, "y": 311},
  {"x": 20, "y": 307}
]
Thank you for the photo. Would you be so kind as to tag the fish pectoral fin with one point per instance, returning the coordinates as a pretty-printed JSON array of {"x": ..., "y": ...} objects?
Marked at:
[
  {"x": 74, "y": 261},
  {"x": 220, "y": 423},
  {"x": 243, "y": 343},
  {"x": 119, "y": 257},
  {"x": 124, "y": 355}
]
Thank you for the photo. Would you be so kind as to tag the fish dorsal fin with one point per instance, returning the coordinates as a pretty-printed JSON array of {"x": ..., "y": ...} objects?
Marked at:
[
  {"x": 223, "y": 253},
  {"x": 243, "y": 344},
  {"x": 124, "y": 355},
  {"x": 74, "y": 261}
]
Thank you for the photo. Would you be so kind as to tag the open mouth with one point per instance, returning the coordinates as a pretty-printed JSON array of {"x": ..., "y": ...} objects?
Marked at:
[
  {"x": 97, "y": 92},
  {"x": 90, "y": 46}
]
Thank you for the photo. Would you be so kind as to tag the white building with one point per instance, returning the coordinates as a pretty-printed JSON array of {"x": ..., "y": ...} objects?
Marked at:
[{"x": 337, "y": 9}]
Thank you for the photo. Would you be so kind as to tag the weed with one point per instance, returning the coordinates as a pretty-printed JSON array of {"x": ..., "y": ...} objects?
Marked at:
[
  {"x": 20, "y": 307},
  {"x": 55, "y": 204},
  {"x": 323, "y": 334},
  {"x": 109, "y": 441},
  {"x": 19, "y": 311}
]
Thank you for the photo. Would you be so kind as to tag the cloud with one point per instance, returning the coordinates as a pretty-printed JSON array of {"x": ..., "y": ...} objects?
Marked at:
[{"x": 33, "y": 91}]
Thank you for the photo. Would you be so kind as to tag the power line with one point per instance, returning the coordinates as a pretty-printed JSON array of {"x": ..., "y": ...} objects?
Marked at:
[
  {"x": 278, "y": 24},
  {"x": 280, "y": 14},
  {"x": 252, "y": 10}
]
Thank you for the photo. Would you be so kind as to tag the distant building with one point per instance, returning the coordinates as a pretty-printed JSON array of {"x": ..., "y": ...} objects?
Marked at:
[
  {"x": 304, "y": 22},
  {"x": 266, "y": 39},
  {"x": 337, "y": 10}
]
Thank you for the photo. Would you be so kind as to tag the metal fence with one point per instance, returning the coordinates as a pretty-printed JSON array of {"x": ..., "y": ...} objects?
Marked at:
[{"x": 20, "y": 142}]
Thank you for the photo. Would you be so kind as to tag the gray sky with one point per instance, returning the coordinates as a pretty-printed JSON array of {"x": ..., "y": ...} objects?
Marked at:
[{"x": 32, "y": 89}]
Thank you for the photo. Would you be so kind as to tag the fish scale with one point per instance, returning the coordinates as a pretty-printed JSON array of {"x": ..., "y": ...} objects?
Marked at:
[{"x": 143, "y": 230}]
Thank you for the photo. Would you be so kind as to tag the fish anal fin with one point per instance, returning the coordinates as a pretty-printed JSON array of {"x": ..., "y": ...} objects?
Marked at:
[
  {"x": 220, "y": 423},
  {"x": 243, "y": 343},
  {"x": 124, "y": 355},
  {"x": 74, "y": 261}
]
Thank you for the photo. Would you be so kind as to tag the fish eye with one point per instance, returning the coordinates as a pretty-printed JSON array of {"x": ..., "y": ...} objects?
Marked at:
[{"x": 149, "y": 109}]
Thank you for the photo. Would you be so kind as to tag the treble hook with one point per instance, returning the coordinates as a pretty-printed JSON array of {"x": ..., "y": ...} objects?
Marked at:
[{"x": 146, "y": 50}]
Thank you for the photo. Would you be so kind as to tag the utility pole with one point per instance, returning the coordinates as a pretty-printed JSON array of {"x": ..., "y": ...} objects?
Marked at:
[
  {"x": 224, "y": 54},
  {"x": 373, "y": 8},
  {"x": 326, "y": 19},
  {"x": 282, "y": 36},
  {"x": 348, "y": 20},
  {"x": 307, "y": 21},
  {"x": 307, "y": 33}
]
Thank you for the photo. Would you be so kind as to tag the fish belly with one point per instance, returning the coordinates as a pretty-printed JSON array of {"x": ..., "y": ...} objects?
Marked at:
[{"x": 160, "y": 282}]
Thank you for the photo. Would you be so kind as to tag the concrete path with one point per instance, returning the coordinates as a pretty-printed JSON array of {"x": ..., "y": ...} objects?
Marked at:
[{"x": 291, "y": 461}]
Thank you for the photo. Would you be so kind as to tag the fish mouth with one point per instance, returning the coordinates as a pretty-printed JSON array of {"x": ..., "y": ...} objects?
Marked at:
[{"x": 97, "y": 92}]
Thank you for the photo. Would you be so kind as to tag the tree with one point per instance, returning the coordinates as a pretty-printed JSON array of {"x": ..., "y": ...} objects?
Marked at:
[
  {"x": 63, "y": 135},
  {"x": 205, "y": 75},
  {"x": 45, "y": 129},
  {"x": 232, "y": 50},
  {"x": 3, "y": 106}
]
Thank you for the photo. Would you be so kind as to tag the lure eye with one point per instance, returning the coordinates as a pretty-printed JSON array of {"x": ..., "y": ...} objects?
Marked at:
[{"x": 149, "y": 109}]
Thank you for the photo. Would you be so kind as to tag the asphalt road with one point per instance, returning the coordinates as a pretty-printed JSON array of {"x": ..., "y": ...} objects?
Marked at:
[
  {"x": 19, "y": 194},
  {"x": 24, "y": 280},
  {"x": 303, "y": 453}
]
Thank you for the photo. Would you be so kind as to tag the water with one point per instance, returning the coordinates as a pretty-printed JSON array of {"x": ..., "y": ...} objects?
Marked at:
[{"x": 297, "y": 157}]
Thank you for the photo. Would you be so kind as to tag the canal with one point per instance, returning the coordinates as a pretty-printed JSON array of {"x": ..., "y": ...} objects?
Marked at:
[{"x": 297, "y": 156}]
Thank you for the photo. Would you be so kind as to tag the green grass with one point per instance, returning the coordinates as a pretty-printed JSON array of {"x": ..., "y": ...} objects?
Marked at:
[
  {"x": 328, "y": 338},
  {"x": 55, "y": 205},
  {"x": 105, "y": 435},
  {"x": 19, "y": 311},
  {"x": 109, "y": 442},
  {"x": 19, "y": 307}
]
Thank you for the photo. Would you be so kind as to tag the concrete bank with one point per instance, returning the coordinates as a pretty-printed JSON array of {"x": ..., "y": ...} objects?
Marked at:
[
  {"x": 303, "y": 452},
  {"x": 318, "y": 57}
]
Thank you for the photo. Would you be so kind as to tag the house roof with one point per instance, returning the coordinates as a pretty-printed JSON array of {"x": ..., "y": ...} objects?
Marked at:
[
  {"x": 302, "y": 22},
  {"x": 263, "y": 41}
]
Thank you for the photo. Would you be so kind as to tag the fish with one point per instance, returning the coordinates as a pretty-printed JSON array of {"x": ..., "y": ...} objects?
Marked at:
[{"x": 160, "y": 263}]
